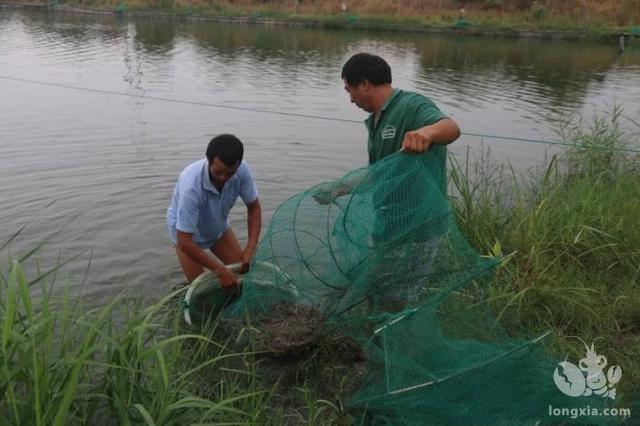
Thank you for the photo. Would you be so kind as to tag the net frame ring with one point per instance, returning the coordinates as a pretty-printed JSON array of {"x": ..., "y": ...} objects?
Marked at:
[{"x": 207, "y": 276}]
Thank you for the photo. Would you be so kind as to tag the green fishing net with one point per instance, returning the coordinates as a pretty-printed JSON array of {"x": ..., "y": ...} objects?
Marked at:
[{"x": 377, "y": 255}]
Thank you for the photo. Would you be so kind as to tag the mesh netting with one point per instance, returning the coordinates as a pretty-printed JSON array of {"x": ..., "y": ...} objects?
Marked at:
[{"x": 377, "y": 255}]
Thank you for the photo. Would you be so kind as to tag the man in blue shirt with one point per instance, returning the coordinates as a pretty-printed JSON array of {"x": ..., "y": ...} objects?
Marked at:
[{"x": 198, "y": 217}]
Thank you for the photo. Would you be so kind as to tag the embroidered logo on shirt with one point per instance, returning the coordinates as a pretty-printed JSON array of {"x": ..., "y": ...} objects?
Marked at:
[{"x": 388, "y": 132}]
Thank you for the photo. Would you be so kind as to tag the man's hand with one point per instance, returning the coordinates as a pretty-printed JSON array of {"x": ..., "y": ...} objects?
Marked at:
[
  {"x": 327, "y": 193},
  {"x": 228, "y": 280},
  {"x": 245, "y": 261},
  {"x": 442, "y": 132},
  {"x": 416, "y": 141},
  {"x": 324, "y": 196}
]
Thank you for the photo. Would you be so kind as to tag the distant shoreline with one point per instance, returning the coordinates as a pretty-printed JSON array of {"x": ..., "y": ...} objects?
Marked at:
[{"x": 332, "y": 22}]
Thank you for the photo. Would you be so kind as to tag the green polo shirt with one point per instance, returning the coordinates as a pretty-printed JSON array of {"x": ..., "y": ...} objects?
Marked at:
[{"x": 404, "y": 112}]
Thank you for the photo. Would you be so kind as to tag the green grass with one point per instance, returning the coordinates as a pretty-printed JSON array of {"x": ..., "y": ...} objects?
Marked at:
[
  {"x": 571, "y": 242},
  {"x": 126, "y": 363}
]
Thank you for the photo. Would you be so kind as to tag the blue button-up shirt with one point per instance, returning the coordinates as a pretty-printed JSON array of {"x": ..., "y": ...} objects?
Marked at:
[{"x": 198, "y": 208}]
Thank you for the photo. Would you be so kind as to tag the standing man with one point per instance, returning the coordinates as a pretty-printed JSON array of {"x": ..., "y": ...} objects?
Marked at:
[
  {"x": 407, "y": 121},
  {"x": 198, "y": 217}
]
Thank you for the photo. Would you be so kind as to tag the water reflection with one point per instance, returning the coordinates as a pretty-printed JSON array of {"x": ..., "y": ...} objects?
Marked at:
[
  {"x": 153, "y": 37},
  {"x": 554, "y": 73}
]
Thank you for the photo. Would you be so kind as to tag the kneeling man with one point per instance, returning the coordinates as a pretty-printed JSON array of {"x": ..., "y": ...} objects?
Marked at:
[{"x": 198, "y": 217}]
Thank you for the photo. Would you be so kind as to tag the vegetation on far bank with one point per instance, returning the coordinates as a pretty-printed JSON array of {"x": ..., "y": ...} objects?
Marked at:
[
  {"x": 584, "y": 16},
  {"x": 571, "y": 249}
]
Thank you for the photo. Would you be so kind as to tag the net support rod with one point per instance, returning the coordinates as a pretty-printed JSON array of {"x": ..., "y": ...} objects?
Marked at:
[
  {"x": 395, "y": 320},
  {"x": 433, "y": 382}
]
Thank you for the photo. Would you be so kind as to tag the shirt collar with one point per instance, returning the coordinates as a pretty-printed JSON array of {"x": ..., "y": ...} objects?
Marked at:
[
  {"x": 206, "y": 180},
  {"x": 394, "y": 95}
]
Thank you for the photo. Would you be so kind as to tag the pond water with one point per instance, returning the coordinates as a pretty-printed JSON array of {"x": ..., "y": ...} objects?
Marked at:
[{"x": 99, "y": 115}]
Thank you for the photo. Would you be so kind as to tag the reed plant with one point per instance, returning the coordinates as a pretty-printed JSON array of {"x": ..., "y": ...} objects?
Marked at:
[
  {"x": 124, "y": 363},
  {"x": 569, "y": 238}
]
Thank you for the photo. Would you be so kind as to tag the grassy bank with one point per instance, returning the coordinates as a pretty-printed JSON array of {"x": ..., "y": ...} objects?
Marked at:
[
  {"x": 570, "y": 239},
  {"x": 541, "y": 18},
  {"x": 125, "y": 363},
  {"x": 571, "y": 244}
]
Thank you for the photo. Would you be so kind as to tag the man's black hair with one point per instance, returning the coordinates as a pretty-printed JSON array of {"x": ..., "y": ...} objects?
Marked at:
[
  {"x": 227, "y": 148},
  {"x": 365, "y": 66}
]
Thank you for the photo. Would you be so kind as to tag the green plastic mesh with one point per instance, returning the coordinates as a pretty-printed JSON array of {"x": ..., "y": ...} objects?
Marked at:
[{"x": 385, "y": 264}]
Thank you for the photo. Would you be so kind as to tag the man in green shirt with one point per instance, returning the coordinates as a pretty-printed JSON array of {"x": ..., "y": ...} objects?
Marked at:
[{"x": 398, "y": 121}]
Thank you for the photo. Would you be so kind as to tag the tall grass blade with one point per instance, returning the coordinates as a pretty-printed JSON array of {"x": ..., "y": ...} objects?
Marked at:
[{"x": 145, "y": 414}]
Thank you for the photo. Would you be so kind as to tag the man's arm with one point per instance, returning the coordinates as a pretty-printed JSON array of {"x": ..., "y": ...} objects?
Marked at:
[
  {"x": 254, "y": 225},
  {"x": 442, "y": 132},
  {"x": 327, "y": 193},
  {"x": 186, "y": 245}
]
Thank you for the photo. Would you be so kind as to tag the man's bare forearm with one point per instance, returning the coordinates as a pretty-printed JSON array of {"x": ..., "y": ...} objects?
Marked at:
[
  {"x": 442, "y": 132},
  {"x": 254, "y": 224}
]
